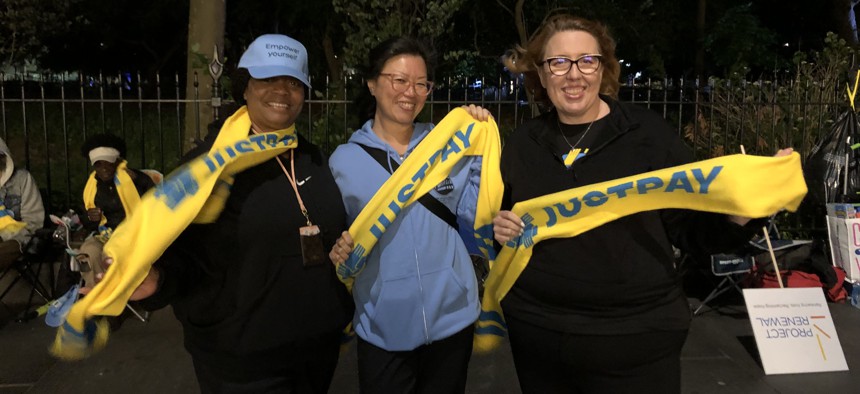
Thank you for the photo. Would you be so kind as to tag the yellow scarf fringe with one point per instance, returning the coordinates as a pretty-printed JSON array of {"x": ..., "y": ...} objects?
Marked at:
[{"x": 8, "y": 224}]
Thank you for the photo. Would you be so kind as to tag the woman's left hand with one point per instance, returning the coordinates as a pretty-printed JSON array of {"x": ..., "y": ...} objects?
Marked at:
[
  {"x": 742, "y": 220},
  {"x": 477, "y": 112},
  {"x": 341, "y": 249}
]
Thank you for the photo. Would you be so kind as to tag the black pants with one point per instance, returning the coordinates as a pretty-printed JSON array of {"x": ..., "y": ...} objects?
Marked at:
[
  {"x": 549, "y": 361},
  {"x": 308, "y": 367},
  {"x": 439, "y": 367}
]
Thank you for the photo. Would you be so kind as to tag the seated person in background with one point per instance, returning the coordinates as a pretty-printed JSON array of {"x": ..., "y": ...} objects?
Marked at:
[
  {"x": 111, "y": 193},
  {"x": 21, "y": 209}
]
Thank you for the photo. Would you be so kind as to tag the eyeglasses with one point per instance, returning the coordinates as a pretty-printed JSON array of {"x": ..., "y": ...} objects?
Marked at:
[
  {"x": 400, "y": 84},
  {"x": 586, "y": 64}
]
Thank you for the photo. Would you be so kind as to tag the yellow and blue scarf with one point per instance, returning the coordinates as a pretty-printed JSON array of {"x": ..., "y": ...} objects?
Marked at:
[
  {"x": 195, "y": 192},
  {"x": 750, "y": 186},
  {"x": 8, "y": 224},
  {"x": 458, "y": 135},
  {"x": 128, "y": 196}
]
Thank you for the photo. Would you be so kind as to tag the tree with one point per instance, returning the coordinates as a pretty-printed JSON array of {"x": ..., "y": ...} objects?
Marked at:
[
  {"x": 845, "y": 21},
  {"x": 25, "y": 25},
  {"x": 120, "y": 35},
  {"x": 206, "y": 20},
  {"x": 369, "y": 22},
  {"x": 731, "y": 47}
]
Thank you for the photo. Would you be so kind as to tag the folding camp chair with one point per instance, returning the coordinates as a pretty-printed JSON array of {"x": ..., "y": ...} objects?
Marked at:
[
  {"x": 63, "y": 234},
  {"x": 28, "y": 267},
  {"x": 735, "y": 268}
]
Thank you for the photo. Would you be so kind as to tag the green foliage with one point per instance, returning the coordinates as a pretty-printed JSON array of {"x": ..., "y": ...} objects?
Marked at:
[
  {"x": 468, "y": 64},
  {"x": 369, "y": 22},
  {"x": 25, "y": 24},
  {"x": 738, "y": 41},
  {"x": 793, "y": 111}
]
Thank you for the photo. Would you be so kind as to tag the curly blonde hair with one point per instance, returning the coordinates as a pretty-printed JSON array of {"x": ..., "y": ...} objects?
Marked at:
[{"x": 525, "y": 60}]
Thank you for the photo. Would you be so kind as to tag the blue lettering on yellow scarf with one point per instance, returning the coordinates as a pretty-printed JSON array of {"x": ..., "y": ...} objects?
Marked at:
[
  {"x": 704, "y": 182},
  {"x": 678, "y": 181},
  {"x": 383, "y": 221},
  {"x": 483, "y": 240},
  {"x": 405, "y": 192},
  {"x": 620, "y": 190},
  {"x": 243, "y": 146},
  {"x": 230, "y": 152},
  {"x": 176, "y": 188}
]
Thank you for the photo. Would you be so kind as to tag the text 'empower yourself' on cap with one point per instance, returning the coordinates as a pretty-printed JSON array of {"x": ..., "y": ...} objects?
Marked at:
[{"x": 275, "y": 55}]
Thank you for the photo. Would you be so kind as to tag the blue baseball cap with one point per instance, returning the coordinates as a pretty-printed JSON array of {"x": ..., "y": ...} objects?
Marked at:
[{"x": 276, "y": 55}]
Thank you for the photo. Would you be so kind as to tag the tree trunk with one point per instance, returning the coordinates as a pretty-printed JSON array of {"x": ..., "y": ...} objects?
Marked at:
[
  {"x": 700, "y": 40},
  {"x": 842, "y": 20},
  {"x": 205, "y": 37},
  {"x": 520, "y": 23},
  {"x": 334, "y": 64}
]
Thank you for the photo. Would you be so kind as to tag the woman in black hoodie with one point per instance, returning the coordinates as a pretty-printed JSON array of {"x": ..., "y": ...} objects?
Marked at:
[{"x": 603, "y": 311}]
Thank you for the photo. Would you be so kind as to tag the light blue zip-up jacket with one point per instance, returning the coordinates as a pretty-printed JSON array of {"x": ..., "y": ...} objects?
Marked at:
[{"x": 418, "y": 285}]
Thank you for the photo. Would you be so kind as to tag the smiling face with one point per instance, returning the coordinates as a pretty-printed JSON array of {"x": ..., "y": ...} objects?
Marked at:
[
  {"x": 274, "y": 103},
  {"x": 574, "y": 95},
  {"x": 393, "y": 107},
  {"x": 105, "y": 170}
]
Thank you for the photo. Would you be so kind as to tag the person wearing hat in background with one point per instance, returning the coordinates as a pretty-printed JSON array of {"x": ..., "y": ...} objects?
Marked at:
[
  {"x": 21, "y": 209},
  {"x": 112, "y": 191},
  {"x": 260, "y": 311}
]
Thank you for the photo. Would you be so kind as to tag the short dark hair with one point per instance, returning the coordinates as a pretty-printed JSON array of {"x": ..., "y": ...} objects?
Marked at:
[
  {"x": 376, "y": 59},
  {"x": 103, "y": 141}
]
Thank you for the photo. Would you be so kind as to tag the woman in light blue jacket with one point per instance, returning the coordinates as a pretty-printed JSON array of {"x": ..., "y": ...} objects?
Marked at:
[{"x": 417, "y": 297}]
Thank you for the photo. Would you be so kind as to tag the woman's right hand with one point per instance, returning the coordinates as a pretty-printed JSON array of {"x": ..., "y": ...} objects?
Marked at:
[
  {"x": 507, "y": 226},
  {"x": 341, "y": 249},
  {"x": 477, "y": 112},
  {"x": 146, "y": 288}
]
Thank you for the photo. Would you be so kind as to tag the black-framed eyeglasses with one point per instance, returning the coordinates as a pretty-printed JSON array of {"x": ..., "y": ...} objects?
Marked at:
[
  {"x": 587, "y": 64},
  {"x": 399, "y": 83}
]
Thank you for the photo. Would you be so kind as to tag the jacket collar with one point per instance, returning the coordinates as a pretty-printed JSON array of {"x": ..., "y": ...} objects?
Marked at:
[{"x": 620, "y": 122}]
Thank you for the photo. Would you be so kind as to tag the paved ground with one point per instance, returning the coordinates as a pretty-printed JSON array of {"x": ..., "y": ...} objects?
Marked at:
[{"x": 719, "y": 357}]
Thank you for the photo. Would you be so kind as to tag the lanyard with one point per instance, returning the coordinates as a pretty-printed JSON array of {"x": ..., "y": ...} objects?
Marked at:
[{"x": 291, "y": 176}]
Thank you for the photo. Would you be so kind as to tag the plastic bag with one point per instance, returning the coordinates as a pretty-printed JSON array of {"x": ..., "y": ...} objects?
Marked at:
[{"x": 832, "y": 170}]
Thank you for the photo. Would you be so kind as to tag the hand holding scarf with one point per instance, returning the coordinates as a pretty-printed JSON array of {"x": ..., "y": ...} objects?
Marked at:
[
  {"x": 195, "y": 192},
  {"x": 750, "y": 186},
  {"x": 458, "y": 135}
]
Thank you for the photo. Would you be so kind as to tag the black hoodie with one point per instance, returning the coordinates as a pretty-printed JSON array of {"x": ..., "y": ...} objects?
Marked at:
[
  {"x": 618, "y": 278},
  {"x": 238, "y": 285}
]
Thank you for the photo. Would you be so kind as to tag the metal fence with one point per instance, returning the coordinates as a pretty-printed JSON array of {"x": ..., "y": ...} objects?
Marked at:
[{"x": 46, "y": 118}]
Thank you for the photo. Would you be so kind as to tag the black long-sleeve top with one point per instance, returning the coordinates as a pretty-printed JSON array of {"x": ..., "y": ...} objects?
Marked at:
[
  {"x": 107, "y": 199},
  {"x": 238, "y": 285},
  {"x": 618, "y": 278}
]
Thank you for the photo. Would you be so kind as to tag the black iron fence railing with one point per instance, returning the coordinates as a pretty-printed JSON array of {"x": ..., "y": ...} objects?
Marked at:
[{"x": 45, "y": 118}]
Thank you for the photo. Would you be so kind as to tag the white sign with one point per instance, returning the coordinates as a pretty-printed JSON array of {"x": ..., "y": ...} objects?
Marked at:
[
  {"x": 794, "y": 330},
  {"x": 844, "y": 237}
]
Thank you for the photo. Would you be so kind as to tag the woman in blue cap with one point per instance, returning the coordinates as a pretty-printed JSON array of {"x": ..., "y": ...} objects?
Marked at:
[{"x": 260, "y": 305}]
